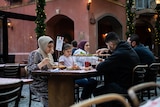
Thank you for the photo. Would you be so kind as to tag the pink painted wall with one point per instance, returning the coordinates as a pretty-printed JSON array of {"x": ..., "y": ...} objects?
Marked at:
[
  {"x": 82, "y": 28},
  {"x": 19, "y": 38},
  {"x": 101, "y": 8},
  {"x": 22, "y": 38},
  {"x": 76, "y": 11}
]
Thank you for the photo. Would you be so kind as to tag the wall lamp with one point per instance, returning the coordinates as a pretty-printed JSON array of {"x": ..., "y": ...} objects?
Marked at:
[
  {"x": 9, "y": 24},
  {"x": 157, "y": 1},
  {"x": 89, "y": 4}
]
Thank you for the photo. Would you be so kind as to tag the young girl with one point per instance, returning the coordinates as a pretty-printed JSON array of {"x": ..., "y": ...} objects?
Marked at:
[
  {"x": 67, "y": 59},
  {"x": 88, "y": 84}
]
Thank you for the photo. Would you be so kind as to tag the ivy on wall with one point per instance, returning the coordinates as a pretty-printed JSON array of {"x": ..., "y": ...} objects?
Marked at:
[
  {"x": 130, "y": 17},
  {"x": 157, "y": 36},
  {"x": 40, "y": 20}
]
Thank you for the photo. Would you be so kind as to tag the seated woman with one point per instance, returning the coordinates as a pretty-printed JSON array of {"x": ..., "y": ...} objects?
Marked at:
[
  {"x": 41, "y": 59},
  {"x": 89, "y": 84}
]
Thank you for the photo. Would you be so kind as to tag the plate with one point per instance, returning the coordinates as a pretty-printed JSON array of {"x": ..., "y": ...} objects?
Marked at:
[
  {"x": 73, "y": 68},
  {"x": 58, "y": 66}
]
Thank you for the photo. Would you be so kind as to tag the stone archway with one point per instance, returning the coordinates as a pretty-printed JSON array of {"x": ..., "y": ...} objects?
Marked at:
[
  {"x": 107, "y": 24},
  {"x": 146, "y": 32},
  {"x": 61, "y": 25}
]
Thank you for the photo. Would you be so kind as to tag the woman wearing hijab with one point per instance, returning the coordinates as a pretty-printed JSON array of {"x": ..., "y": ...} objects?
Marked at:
[
  {"x": 88, "y": 84},
  {"x": 41, "y": 59},
  {"x": 83, "y": 49}
]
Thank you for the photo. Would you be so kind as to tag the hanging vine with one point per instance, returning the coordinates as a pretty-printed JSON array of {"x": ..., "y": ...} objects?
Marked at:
[
  {"x": 130, "y": 17},
  {"x": 40, "y": 20},
  {"x": 157, "y": 36}
]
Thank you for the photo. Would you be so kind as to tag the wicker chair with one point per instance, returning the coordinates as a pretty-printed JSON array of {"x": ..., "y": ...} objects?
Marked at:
[
  {"x": 102, "y": 99},
  {"x": 132, "y": 92}
]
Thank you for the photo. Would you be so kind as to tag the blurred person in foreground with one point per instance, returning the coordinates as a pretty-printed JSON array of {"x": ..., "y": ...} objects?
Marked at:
[
  {"x": 41, "y": 59},
  {"x": 117, "y": 68}
]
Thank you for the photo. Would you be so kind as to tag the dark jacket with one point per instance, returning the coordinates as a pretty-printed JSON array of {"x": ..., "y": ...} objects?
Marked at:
[
  {"x": 146, "y": 56},
  {"x": 118, "y": 67}
]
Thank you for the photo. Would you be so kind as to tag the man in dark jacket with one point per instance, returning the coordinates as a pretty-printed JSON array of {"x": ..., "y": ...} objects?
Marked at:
[
  {"x": 145, "y": 54},
  {"x": 118, "y": 67}
]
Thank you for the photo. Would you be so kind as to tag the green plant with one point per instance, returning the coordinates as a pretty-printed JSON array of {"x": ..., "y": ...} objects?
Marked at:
[
  {"x": 130, "y": 17},
  {"x": 40, "y": 20},
  {"x": 157, "y": 36}
]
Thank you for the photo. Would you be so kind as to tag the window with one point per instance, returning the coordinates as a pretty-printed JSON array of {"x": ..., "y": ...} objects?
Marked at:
[
  {"x": 14, "y": 2},
  {"x": 143, "y": 4}
]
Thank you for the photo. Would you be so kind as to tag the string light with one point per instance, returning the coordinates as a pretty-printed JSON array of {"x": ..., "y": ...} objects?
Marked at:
[
  {"x": 41, "y": 16},
  {"x": 130, "y": 17}
]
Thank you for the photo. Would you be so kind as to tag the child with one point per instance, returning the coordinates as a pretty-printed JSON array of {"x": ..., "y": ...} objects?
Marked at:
[
  {"x": 67, "y": 59},
  {"x": 88, "y": 84}
]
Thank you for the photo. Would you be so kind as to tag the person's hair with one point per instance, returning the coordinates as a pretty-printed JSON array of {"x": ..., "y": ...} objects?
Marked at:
[
  {"x": 112, "y": 37},
  {"x": 74, "y": 43},
  {"x": 135, "y": 37},
  {"x": 67, "y": 46},
  {"x": 82, "y": 44}
]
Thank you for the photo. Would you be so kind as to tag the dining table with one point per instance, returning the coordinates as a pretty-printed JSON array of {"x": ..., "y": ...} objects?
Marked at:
[
  {"x": 152, "y": 103},
  {"x": 4, "y": 82},
  {"x": 61, "y": 84}
]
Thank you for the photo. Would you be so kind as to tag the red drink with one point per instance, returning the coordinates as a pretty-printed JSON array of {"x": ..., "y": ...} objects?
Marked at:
[{"x": 87, "y": 64}]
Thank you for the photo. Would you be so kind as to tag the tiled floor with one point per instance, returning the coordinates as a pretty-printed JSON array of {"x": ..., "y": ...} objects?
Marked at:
[{"x": 24, "y": 102}]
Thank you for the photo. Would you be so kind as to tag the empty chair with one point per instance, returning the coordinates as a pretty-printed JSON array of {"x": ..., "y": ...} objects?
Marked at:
[
  {"x": 11, "y": 92},
  {"x": 138, "y": 75},
  {"x": 132, "y": 92},
  {"x": 152, "y": 72},
  {"x": 102, "y": 99},
  {"x": 151, "y": 75},
  {"x": 11, "y": 70}
]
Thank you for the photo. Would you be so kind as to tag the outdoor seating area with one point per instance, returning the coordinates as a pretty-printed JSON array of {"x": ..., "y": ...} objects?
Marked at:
[
  {"x": 79, "y": 53},
  {"x": 24, "y": 102},
  {"x": 72, "y": 95}
]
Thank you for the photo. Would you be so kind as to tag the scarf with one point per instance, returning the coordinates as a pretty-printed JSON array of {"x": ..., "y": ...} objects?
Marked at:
[{"x": 42, "y": 43}]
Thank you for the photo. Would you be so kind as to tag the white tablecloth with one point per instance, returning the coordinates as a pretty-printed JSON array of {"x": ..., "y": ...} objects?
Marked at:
[{"x": 152, "y": 103}]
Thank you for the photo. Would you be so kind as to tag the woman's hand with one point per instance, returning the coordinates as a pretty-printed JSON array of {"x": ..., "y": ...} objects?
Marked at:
[{"x": 44, "y": 62}]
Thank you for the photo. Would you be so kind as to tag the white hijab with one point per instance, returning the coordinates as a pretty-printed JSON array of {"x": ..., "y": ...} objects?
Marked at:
[{"x": 42, "y": 43}]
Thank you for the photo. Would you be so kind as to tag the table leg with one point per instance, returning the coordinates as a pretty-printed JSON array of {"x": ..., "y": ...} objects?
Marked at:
[{"x": 60, "y": 91}]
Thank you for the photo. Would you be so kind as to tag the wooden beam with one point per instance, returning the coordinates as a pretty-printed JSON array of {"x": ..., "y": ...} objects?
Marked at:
[{"x": 17, "y": 16}]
